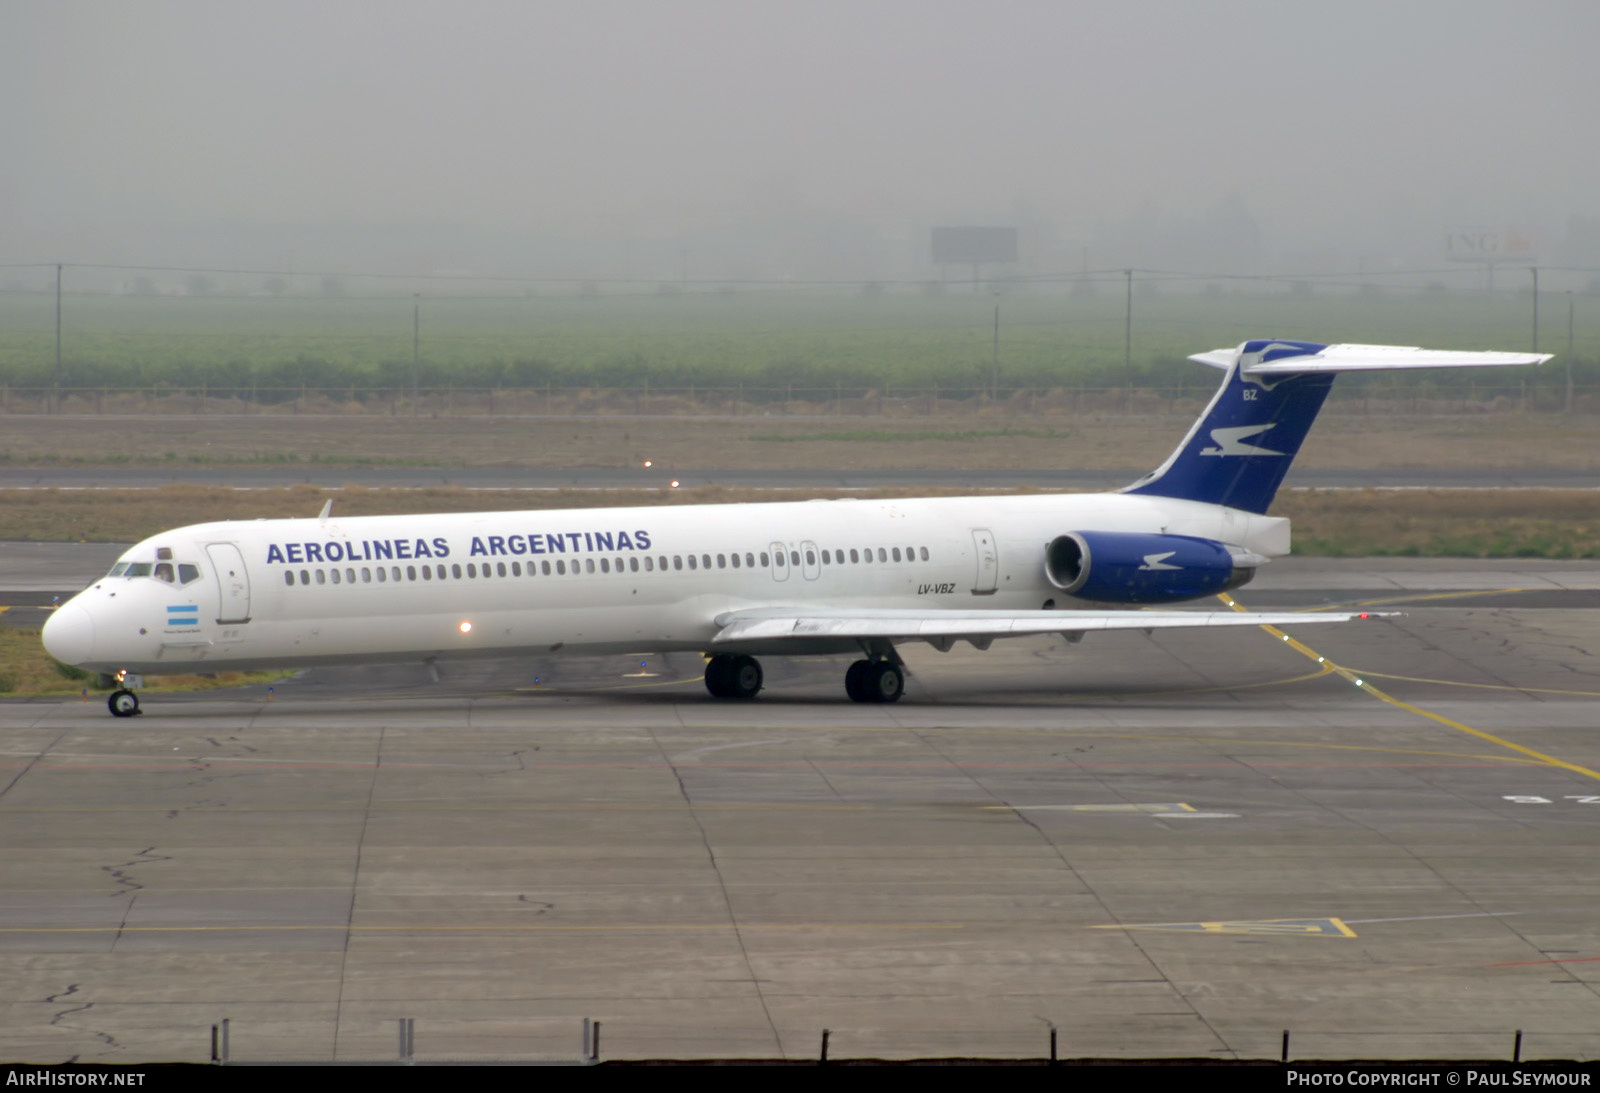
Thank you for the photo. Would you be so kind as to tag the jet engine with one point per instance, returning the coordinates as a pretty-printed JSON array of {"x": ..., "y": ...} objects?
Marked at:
[{"x": 1121, "y": 567}]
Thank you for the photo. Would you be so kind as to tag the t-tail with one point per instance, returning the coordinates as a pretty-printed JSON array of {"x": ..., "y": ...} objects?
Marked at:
[{"x": 1240, "y": 449}]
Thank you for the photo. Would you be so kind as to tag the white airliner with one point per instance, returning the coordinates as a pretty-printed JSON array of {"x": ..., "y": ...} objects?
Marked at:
[{"x": 736, "y": 582}]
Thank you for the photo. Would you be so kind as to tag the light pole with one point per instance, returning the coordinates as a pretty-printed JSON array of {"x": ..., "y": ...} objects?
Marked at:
[
  {"x": 994, "y": 360},
  {"x": 1127, "y": 327}
]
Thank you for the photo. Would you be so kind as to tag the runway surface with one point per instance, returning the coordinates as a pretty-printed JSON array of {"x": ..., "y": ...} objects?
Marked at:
[
  {"x": 539, "y": 478},
  {"x": 1168, "y": 845}
]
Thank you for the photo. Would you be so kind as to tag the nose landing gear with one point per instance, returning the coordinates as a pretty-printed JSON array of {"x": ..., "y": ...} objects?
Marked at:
[{"x": 123, "y": 702}]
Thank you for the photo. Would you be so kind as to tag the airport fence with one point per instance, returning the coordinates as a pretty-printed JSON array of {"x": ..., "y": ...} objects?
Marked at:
[
  {"x": 1369, "y": 398},
  {"x": 551, "y": 1041}
]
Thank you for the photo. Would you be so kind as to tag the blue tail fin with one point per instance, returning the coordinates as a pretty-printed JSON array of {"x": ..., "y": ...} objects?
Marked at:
[{"x": 1239, "y": 451}]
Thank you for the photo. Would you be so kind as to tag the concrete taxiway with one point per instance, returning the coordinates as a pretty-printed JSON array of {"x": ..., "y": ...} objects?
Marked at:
[{"x": 1380, "y": 836}]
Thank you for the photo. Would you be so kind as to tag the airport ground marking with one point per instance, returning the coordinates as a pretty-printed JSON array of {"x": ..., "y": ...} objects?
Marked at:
[
  {"x": 1145, "y": 810},
  {"x": 1423, "y": 596},
  {"x": 1532, "y": 963},
  {"x": 1276, "y": 927},
  {"x": 1479, "y": 686},
  {"x": 481, "y": 928},
  {"x": 1346, "y": 673}
]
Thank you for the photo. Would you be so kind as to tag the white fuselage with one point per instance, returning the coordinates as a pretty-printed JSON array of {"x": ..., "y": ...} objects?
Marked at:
[{"x": 286, "y": 593}]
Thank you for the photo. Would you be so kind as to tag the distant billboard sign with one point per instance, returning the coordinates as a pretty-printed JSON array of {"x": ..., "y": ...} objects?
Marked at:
[
  {"x": 974, "y": 245},
  {"x": 1485, "y": 245}
]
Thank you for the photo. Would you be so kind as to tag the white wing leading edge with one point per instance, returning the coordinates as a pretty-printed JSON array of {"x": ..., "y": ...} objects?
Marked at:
[{"x": 766, "y": 624}]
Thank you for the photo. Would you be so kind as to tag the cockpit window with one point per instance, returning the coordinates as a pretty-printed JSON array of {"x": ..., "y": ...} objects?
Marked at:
[
  {"x": 164, "y": 572},
  {"x": 139, "y": 569},
  {"x": 118, "y": 569},
  {"x": 187, "y": 573}
]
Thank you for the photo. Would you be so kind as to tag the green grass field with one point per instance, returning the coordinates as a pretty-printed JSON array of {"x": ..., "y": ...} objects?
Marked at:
[{"x": 804, "y": 337}]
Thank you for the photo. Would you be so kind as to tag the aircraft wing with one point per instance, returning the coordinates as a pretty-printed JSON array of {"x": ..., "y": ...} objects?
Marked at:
[{"x": 763, "y": 624}]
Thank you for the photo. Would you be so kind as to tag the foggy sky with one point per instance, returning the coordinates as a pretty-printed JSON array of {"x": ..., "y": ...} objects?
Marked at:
[{"x": 200, "y": 133}]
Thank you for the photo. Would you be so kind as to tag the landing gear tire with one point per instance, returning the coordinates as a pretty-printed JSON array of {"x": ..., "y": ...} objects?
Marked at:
[
  {"x": 886, "y": 682},
  {"x": 855, "y": 681},
  {"x": 733, "y": 677},
  {"x": 718, "y": 669},
  {"x": 123, "y": 703},
  {"x": 874, "y": 681}
]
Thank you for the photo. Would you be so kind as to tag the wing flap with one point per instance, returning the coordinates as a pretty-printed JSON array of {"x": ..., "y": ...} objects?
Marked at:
[{"x": 766, "y": 625}]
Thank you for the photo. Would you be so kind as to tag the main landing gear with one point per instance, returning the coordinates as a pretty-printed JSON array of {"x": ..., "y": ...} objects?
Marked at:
[
  {"x": 123, "y": 703},
  {"x": 733, "y": 676},
  {"x": 874, "y": 681},
  {"x": 879, "y": 678}
]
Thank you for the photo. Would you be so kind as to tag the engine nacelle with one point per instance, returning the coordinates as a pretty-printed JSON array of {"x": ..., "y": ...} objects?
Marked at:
[{"x": 1120, "y": 567}]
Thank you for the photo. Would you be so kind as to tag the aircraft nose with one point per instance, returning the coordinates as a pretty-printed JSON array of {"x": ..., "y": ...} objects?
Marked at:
[{"x": 69, "y": 634}]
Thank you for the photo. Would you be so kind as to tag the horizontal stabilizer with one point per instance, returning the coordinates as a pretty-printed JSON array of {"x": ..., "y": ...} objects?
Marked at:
[
  {"x": 1303, "y": 358},
  {"x": 766, "y": 624}
]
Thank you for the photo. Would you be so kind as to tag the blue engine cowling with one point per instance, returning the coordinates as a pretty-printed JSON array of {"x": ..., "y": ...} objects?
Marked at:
[{"x": 1119, "y": 567}]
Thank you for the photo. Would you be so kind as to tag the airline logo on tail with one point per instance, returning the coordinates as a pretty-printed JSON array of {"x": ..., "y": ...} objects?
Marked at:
[{"x": 1230, "y": 441}]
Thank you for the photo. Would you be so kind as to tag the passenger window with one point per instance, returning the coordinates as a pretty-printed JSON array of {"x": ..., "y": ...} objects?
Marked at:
[
  {"x": 544, "y": 567},
  {"x": 366, "y": 575},
  {"x": 381, "y": 577},
  {"x": 854, "y": 557},
  {"x": 455, "y": 570},
  {"x": 924, "y": 553},
  {"x": 305, "y": 577},
  {"x": 750, "y": 561},
  {"x": 811, "y": 557},
  {"x": 411, "y": 572},
  {"x": 692, "y": 564},
  {"x": 349, "y": 576},
  {"x": 883, "y": 555},
  {"x": 897, "y": 554},
  {"x": 735, "y": 560},
  {"x": 335, "y": 576},
  {"x": 605, "y": 565},
  {"x": 321, "y": 577},
  {"x": 516, "y": 569},
  {"x": 705, "y": 560},
  {"x": 288, "y": 578},
  {"x": 677, "y": 562},
  {"x": 427, "y": 573},
  {"x": 472, "y": 570},
  {"x": 561, "y": 567},
  {"x": 649, "y": 564},
  {"x": 825, "y": 558},
  {"x": 633, "y": 564},
  {"x": 394, "y": 573},
  {"x": 588, "y": 565},
  {"x": 765, "y": 560},
  {"x": 794, "y": 557},
  {"x": 500, "y": 568},
  {"x": 722, "y": 561}
]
